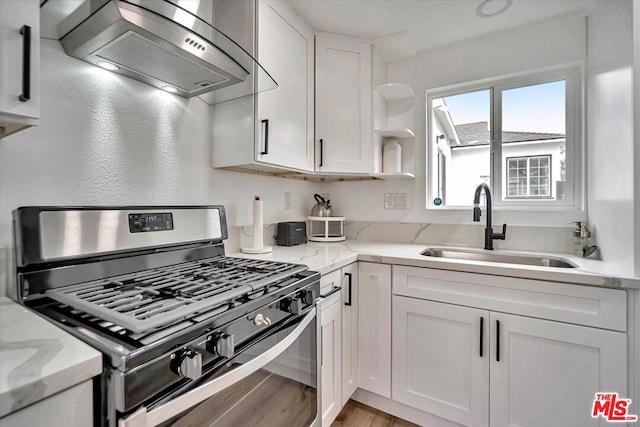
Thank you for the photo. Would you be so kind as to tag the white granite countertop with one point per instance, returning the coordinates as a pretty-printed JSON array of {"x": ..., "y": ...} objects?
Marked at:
[
  {"x": 325, "y": 257},
  {"x": 38, "y": 359}
]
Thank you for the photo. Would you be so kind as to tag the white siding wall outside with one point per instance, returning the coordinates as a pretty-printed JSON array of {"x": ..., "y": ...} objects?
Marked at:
[{"x": 469, "y": 164}]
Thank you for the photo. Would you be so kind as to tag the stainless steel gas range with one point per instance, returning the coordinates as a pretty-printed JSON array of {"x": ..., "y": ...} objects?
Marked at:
[{"x": 188, "y": 335}]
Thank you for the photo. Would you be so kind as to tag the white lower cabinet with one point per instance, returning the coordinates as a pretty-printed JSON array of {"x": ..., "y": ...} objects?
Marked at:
[
  {"x": 483, "y": 368},
  {"x": 339, "y": 340},
  {"x": 374, "y": 321},
  {"x": 548, "y": 372},
  {"x": 330, "y": 359},
  {"x": 72, "y": 407},
  {"x": 440, "y": 365},
  {"x": 349, "y": 304}
]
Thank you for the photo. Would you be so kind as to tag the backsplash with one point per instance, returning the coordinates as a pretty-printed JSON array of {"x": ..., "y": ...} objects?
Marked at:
[{"x": 546, "y": 239}]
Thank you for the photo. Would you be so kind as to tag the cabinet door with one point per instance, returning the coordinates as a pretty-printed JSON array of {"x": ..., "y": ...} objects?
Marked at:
[
  {"x": 349, "y": 331},
  {"x": 16, "y": 111},
  {"x": 374, "y": 323},
  {"x": 343, "y": 104},
  {"x": 72, "y": 407},
  {"x": 285, "y": 114},
  {"x": 330, "y": 360},
  {"x": 545, "y": 373},
  {"x": 441, "y": 359}
]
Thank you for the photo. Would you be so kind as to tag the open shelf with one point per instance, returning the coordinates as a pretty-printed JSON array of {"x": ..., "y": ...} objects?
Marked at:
[
  {"x": 399, "y": 175},
  {"x": 395, "y": 91},
  {"x": 395, "y": 133}
]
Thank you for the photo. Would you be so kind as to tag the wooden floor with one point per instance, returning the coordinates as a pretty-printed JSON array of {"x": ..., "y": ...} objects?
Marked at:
[{"x": 355, "y": 414}]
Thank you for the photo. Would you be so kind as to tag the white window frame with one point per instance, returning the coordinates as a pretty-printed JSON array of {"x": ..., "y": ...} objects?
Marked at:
[{"x": 573, "y": 74}]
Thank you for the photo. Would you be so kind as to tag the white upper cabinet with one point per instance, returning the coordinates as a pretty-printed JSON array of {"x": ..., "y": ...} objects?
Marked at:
[
  {"x": 343, "y": 105},
  {"x": 285, "y": 49},
  {"x": 272, "y": 130},
  {"x": 19, "y": 65}
]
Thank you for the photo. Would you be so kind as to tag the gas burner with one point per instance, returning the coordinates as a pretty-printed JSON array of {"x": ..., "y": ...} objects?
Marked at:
[{"x": 150, "y": 299}]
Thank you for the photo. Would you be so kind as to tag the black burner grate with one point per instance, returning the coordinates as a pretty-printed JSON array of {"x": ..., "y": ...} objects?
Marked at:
[{"x": 149, "y": 299}]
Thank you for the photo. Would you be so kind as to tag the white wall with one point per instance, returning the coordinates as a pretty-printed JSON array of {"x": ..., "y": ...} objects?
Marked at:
[
  {"x": 104, "y": 139},
  {"x": 636, "y": 129},
  {"x": 610, "y": 131},
  {"x": 545, "y": 44}
]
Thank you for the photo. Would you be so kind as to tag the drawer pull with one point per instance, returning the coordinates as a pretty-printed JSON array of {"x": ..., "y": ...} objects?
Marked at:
[
  {"x": 497, "y": 340},
  {"x": 481, "y": 334},
  {"x": 26, "y": 63},
  {"x": 350, "y": 276}
]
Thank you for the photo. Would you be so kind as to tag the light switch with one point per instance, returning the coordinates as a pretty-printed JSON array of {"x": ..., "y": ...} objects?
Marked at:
[
  {"x": 287, "y": 200},
  {"x": 395, "y": 201}
]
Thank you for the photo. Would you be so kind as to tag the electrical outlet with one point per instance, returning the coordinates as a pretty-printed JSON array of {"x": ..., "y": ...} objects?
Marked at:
[
  {"x": 395, "y": 201},
  {"x": 287, "y": 200}
]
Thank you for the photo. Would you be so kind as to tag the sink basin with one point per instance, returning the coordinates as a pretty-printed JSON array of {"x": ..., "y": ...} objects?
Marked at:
[{"x": 502, "y": 258}]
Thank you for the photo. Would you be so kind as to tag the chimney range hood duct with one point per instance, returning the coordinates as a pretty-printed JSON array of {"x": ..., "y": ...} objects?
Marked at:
[{"x": 164, "y": 45}]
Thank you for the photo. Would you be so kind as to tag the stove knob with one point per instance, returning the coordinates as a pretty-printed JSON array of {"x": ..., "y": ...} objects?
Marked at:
[
  {"x": 188, "y": 364},
  {"x": 225, "y": 346},
  {"x": 295, "y": 306},
  {"x": 309, "y": 297}
]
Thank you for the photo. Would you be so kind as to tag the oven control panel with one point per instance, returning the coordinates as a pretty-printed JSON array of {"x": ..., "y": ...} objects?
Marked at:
[{"x": 145, "y": 222}]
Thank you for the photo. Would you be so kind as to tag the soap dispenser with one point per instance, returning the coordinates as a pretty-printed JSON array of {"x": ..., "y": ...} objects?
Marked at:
[{"x": 581, "y": 238}]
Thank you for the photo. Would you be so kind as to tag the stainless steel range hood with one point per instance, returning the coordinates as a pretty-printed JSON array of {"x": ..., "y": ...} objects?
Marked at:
[{"x": 163, "y": 44}]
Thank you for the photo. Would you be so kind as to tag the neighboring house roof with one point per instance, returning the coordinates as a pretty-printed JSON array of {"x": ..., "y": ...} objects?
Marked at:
[{"x": 478, "y": 134}]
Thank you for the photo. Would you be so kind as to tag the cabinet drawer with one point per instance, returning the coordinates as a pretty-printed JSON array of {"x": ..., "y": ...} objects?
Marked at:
[
  {"x": 584, "y": 305},
  {"x": 329, "y": 281}
]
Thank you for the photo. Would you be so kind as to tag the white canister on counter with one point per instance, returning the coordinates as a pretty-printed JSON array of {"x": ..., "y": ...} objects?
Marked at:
[{"x": 391, "y": 157}]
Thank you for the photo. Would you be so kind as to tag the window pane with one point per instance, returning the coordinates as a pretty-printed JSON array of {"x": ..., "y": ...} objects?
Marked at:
[
  {"x": 460, "y": 138},
  {"x": 534, "y": 128},
  {"x": 532, "y": 181}
]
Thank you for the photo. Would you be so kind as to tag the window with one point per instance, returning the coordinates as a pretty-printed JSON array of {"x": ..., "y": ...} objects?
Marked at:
[
  {"x": 520, "y": 135},
  {"x": 528, "y": 177}
]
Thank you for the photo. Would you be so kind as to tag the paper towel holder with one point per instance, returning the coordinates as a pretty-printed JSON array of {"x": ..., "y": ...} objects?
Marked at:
[{"x": 257, "y": 246}]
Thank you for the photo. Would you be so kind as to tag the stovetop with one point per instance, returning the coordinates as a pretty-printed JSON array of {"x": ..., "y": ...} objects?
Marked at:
[
  {"x": 147, "y": 300},
  {"x": 139, "y": 282}
]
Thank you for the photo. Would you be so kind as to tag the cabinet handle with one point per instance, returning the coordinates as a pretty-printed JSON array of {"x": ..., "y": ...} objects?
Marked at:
[
  {"x": 321, "y": 151},
  {"x": 481, "y": 334},
  {"x": 350, "y": 276},
  {"x": 26, "y": 63},
  {"x": 497, "y": 340},
  {"x": 321, "y": 346},
  {"x": 265, "y": 123}
]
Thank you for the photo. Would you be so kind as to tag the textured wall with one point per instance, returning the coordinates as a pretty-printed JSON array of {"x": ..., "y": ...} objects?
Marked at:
[{"x": 109, "y": 140}]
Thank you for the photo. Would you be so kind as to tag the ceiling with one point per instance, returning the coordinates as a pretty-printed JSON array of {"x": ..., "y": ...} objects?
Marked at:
[{"x": 429, "y": 23}]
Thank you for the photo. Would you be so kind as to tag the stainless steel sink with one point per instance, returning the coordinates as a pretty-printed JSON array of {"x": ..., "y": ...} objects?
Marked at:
[{"x": 498, "y": 257}]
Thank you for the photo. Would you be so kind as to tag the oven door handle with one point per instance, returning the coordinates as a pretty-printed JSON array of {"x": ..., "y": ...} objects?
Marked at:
[{"x": 155, "y": 416}]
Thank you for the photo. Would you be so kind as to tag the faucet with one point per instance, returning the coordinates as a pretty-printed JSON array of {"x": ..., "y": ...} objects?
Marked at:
[{"x": 489, "y": 235}]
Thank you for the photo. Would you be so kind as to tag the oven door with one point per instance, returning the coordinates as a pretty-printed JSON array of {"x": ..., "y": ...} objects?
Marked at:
[{"x": 271, "y": 383}]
